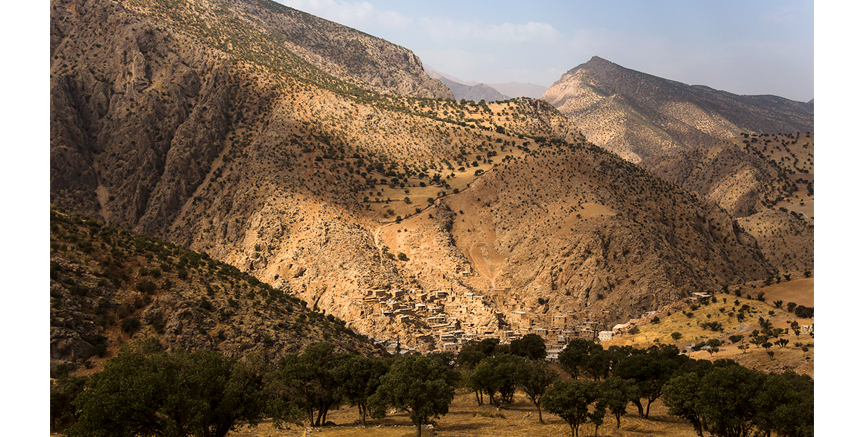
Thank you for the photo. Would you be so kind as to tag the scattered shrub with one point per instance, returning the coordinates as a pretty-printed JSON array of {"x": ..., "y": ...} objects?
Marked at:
[{"x": 130, "y": 325}]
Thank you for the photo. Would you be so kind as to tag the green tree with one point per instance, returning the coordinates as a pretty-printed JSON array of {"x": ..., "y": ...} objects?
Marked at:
[
  {"x": 358, "y": 378},
  {"x": 534, "y": 378},
  {"x": 305, "y": 383},
  {"x": 767, "y": 345},
  {"x": 599, "y": 413},
  {"x": 124, "y": 399},
  {"x": 713, "y": 345},
  {"x": 496, "y": 375},
  {"x": 63, "y": 391},
  {"x": 143, "y": 392},
  {"x": 720, "y": 401},
  {"x": 530, "y": 346},
  {"x": 571, "y": 401},
  {"x": 649, "y": 371},
  {"x": 575, "y": 355},
  {"x": 474, "y": 351},
  {"x": 417, "y": 385},
  {"x": 617, "y": 393},
  {"x": 447, "y": 360},
  {"x": 785, "y": 405},
  {"x": 681, "y": 400},
  {"x": 803, "y": 312}
]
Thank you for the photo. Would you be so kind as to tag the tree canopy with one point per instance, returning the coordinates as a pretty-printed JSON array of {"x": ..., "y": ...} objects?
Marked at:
[
  {"x": 729, "y": 400},
  {"x": 142, "y": 392},
  {"x": 571, "y": 401},
  {"x": 417, "y": 385},
  {"x": 530, "y": 346}
]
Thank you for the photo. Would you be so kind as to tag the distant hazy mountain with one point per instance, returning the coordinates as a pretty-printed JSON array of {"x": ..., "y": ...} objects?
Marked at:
[
  {"x": 518, "y": 89},
  {"x": 476, "y": 91},
  {"x": 467, "y": 90},
  {"x": 637, "y": 115},
  {"x": 435, "y": 74}
]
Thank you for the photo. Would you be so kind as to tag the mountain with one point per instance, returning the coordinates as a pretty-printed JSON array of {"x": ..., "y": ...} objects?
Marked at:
[
  {"x": 475, "y": 92},
  {"x": 468, "y": 90},
  {"x": 520, "y": 89},
  {"x": 438, "y": 75},
  {"x": 369, "y": 194},
  {"x": 637, "y": 115},
  {"x": 765, "y": 181}
]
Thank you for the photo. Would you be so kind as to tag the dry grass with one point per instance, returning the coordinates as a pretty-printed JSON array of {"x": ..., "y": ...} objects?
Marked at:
[
  {"x": 466, "y": 418},
  {"x": 786, "y": 358}
]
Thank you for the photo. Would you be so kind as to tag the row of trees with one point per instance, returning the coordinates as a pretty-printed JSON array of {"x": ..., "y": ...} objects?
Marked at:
[
  {"x": 145, "y": 391},
  {"x": 601, "y": 380}
]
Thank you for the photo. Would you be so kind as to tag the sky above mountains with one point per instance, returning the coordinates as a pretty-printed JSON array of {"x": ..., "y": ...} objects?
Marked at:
[{"x": 744, "y": 47}]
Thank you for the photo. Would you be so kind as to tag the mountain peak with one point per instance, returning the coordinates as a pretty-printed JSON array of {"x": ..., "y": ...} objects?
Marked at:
[
  {"x": 597, "y": 60},
  {"x": 595, "y": 64}
]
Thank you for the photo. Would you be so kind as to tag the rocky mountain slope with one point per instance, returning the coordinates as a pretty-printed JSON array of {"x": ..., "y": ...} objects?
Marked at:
[
  {"x": 109, "y": 286},
  {"x": 421, "y": 219},
  {"x": 765, "y": 182},
  {"x": 637, "y": 115}
]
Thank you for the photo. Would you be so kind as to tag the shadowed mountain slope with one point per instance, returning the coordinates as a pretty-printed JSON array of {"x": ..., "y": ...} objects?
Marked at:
[{"x": 110, "y": 286}]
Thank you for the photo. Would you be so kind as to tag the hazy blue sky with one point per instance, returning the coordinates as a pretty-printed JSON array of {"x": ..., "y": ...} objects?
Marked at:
[{"x": 744, "y": 47}]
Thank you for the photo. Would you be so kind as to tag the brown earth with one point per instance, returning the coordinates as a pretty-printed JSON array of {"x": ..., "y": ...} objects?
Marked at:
[{"x": 466, "y": 418}]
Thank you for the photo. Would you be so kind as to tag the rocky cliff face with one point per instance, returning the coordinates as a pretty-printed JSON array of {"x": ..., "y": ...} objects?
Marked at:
[
  {"x": 410, "y": 218},
  {"x": 347, "y": 54},
  {"x": 140, "y": 112},
  {"x": 637, "y": 115}
]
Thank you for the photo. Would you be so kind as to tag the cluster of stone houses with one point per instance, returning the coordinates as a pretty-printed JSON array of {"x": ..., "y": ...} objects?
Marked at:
[{"x": 443, "y": 321}]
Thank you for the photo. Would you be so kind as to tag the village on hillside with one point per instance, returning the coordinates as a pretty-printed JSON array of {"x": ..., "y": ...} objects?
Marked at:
[{"x": 443, "y": 321}]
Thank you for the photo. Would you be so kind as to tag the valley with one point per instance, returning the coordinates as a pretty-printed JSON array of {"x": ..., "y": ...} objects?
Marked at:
[
  {"x": 341, "y": 196},
  {"x": 243, "y": 177}
]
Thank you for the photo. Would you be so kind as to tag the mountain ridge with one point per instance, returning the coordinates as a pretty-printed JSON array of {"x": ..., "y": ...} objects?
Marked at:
[{"x": 638, "y": 115}]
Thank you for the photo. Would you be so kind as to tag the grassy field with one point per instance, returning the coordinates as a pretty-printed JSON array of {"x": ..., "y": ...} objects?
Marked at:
[{"x": 466, "y": 418}]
